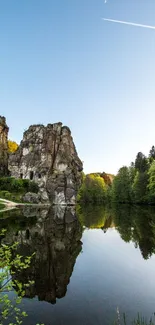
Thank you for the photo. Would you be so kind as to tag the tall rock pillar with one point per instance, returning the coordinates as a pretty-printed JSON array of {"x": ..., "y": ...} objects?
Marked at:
[{"x": 3, "y": 147}]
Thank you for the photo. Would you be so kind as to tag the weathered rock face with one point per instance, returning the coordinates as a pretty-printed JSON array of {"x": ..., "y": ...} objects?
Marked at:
[
  {"x": 48, "y": 156},
  {"x": 31, "y": 198},
  {"x": 3, "y": 146},
  {"x": 55, "y": 239}
]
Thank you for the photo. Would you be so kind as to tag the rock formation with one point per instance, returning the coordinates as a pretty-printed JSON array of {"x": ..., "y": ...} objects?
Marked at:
[
  {"x": 48, "y": 156},
  {"x": 55, "y": 239},
  {"x": 3, "y": 146}
]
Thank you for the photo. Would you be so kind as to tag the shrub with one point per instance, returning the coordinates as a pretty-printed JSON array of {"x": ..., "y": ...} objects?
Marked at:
[
  {"x": 17, "y": 185},
  {"x": 5, "y": 194}
]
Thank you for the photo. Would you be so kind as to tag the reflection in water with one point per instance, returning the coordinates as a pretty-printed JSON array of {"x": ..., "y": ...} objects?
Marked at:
[
  {"x": 55, "y": 236},
  {"x": 95, "y": 217},
  {"x": 138, "y": 225},
  {"x": 55, "y": 239},
  {"x": 134, "y": 223}
]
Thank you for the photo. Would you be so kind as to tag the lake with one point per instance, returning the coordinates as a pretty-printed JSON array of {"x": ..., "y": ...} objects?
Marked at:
[{"x": 88, "y": 263}]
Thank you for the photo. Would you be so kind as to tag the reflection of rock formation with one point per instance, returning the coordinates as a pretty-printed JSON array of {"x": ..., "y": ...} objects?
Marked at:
[
  {"x": 55, "y": 239},
  {"x": 3, "y": 146},
  {"x": 49, "y": 157}
]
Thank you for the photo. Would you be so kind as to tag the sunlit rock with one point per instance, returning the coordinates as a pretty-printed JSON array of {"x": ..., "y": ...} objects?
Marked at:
[{"x": 47, "y": 155}]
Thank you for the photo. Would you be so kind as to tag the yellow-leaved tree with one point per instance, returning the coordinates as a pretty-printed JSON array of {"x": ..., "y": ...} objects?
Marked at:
[{"x": 12, "y": 146}]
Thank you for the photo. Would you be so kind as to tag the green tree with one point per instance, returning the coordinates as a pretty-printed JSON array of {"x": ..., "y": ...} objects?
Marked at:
[
  {"x": 152, "y": 153},
  {"x": 140, "y": 187},
  {"x": 151, "y": 183},
  {"x": 121, "y": 187},
  {"x": 141, "y": 162},
  {"x": 132, "y": 172},
  {"x": 93, "y": 189}
]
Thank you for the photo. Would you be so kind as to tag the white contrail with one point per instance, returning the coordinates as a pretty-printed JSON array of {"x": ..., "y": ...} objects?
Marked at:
[{"x": 129, "y": 23}]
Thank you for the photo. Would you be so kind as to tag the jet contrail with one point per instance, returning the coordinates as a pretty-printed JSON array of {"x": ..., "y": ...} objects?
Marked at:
[{"x": 129, "y": 23}]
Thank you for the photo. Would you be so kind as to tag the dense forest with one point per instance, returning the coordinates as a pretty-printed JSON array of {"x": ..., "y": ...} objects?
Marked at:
[{"x": 134, "y": 184}]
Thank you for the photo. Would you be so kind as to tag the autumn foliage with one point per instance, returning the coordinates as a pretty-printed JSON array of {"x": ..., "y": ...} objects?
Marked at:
[{"x": 12, "y": 146}]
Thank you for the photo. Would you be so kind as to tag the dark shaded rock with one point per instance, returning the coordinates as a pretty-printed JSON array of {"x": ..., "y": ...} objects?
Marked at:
[
  {"x": 49, "y": 157},
  {"x": 3, "y": 147}
]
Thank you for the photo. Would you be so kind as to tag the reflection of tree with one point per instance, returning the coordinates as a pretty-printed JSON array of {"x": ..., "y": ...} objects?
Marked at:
[
  {"x": 123, "y": 221},
  {"x": 137, "y": 224},
  {"x": 134, "y": 223},
  {"x": 144, "y": 230},
  {"x": 92, "y": 216},
  {"x": 55, "y": 239}
]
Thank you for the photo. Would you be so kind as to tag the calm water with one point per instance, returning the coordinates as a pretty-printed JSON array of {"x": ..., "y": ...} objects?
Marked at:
[{"x": 86, "y": 267}]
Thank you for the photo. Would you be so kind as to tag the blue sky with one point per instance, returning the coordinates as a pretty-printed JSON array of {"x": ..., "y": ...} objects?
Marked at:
[{"x": 59, "y": 61}]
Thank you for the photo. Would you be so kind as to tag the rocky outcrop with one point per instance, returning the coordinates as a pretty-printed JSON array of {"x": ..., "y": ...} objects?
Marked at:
[
  {"x": 48, "y": 156},
  {"x": 3, "y": 146},
  {"x": 55, "y": 240},
  {"x": 31, "y": 198}
]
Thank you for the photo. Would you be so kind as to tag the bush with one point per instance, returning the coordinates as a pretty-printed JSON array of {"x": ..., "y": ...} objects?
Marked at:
[
  {"x": 33, "y": 187},
  {"x": 17, "y": 185},
  {"x": 5, "y": 195}
]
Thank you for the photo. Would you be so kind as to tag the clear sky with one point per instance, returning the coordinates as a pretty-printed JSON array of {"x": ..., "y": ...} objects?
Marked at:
[{"x": 59, "y": 61}]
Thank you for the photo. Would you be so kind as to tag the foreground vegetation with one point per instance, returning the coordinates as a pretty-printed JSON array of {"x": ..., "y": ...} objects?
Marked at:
[
  {"x": 139, "y": 320},
  {"x": 10, "y": 264}
]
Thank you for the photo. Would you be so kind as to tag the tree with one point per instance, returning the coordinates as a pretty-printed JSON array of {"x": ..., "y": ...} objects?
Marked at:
[
  {"x": 141, "y": 162},
  {"x": 152, "y": 152},
  {"x": 12, "y": 146},
  {"x": 93, "y": 189},
  {"x": 151, "y": 183},
  {"x": 122, "y": 186},
  {"x": 132, "y": 172},
  {"x": 140, "y": 187},
  {"x": 107, "y": 178}
]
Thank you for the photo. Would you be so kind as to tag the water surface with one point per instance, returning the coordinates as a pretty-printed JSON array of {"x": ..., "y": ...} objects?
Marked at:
[{"x": 88, "y": 262}]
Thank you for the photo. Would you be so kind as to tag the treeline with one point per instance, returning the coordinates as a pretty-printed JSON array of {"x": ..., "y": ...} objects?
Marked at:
[
  {"x": 136, "y": 184},
  {"x": 133, "y": 185}
]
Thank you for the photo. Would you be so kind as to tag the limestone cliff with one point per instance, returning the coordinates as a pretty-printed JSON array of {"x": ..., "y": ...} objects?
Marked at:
[
  {"x": 3, "y": 146},
  {"x": 55, "y": 239},
  {"x": 47, "y": 155}
]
